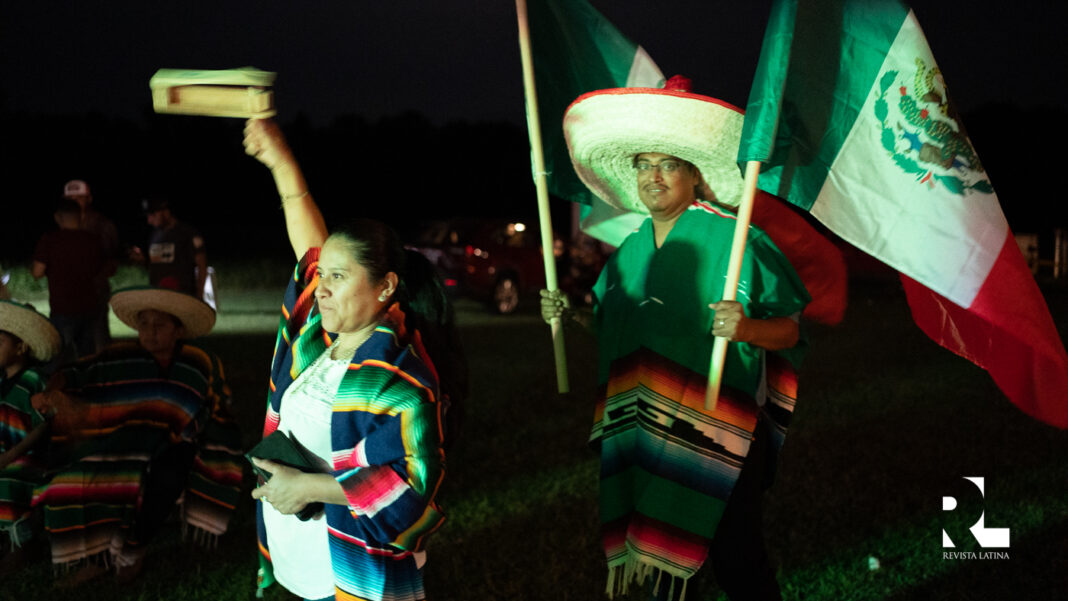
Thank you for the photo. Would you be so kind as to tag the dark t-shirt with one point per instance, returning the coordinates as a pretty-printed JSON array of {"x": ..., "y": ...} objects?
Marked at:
[
  {"x": 73, "y": 260},
  {"x": 104, "y": 230},
  {"x": 172, "y": 257}
]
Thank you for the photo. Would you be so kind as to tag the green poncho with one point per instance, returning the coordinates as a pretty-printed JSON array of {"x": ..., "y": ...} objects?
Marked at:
[{"x": 667, "y": 465}]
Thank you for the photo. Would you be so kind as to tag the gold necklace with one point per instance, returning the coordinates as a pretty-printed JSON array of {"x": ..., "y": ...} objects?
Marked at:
[{"x": 348, "y": 350}]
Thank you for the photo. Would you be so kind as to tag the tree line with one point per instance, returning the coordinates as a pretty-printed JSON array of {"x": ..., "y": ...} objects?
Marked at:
[{"x": 402, "y": 169}]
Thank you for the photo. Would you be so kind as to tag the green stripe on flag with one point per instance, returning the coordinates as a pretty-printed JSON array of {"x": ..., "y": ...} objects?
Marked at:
[
  {"x": 576, "y": 50},
  {"x": 864, "y": 136},
  {"x": 762, "y": 113},
  {"x": 819, "y": 62}
]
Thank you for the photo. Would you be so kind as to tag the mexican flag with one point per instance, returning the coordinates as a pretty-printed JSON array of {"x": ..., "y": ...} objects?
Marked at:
[
  {"x": 576, "y": 50},
  {"x": 852, "y": 119}
]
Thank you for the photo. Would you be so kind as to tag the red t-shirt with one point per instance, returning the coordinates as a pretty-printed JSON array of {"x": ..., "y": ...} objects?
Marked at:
[{"x": 73, "y": 260}]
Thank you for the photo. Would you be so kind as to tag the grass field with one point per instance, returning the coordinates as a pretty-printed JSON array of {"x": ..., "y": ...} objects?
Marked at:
[{"x": 888, "y": 423}]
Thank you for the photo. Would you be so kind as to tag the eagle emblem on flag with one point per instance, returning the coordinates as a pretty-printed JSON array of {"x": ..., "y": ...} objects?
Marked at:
[{"x": 921, "y": 131}]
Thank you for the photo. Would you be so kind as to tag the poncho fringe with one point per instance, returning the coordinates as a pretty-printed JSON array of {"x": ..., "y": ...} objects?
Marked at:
[{"x": 636, "y": 569}]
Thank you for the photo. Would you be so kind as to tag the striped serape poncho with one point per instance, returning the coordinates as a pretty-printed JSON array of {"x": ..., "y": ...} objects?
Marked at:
[
  {"x": 386, "y": 436},
  {"x": 136, "y": 411},
  {"x": 18, "y": 479},
  {"x": 667, "y": 465}
]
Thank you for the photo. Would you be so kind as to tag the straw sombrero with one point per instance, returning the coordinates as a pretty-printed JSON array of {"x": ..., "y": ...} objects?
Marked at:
[
  {"x": 607, "y": 128},
  {"x": 31, "y": 327},
  {"x": 197, "y": 317}
]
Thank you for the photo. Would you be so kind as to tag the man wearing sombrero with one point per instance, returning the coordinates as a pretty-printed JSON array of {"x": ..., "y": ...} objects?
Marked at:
[
  {"x": 145, "y": 422},
  {"x": 681, "y": 484},
  {"x": 27, "y": 339}
]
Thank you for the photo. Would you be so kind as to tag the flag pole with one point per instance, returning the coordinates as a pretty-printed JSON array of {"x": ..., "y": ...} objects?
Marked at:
[
  {"x": 734, "y": 270},
  {"x": 540, "y": 183}
]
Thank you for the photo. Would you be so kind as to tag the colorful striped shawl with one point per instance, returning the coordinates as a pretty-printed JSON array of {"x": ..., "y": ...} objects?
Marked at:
[
  {"x": 386, "y": 438},
  {"x": 136, "y": 410},
  {"x": 667, "y": 465},
  {"x": 18, "y": 418}
]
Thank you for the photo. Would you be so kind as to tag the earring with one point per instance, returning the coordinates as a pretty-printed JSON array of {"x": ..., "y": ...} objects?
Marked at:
[{"x": 382, "y": 297}]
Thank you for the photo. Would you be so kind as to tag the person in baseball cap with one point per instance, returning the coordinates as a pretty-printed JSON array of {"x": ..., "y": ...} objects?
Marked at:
[
  {"x": 75, "y": 189},
  {"x": 176, "y": 254},
  {"x": 671, "y": 154},
  {"x": 107, "y": 237}
]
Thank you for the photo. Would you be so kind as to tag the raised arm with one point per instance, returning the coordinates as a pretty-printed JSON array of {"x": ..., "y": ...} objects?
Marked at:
[{"x": 304, "y": 222}]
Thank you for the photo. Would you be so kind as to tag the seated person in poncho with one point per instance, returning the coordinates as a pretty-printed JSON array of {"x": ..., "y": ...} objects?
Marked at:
[
  {"x": 27, "y": 339},
  {"x": 680, "y": 484},
  {"x": 137, "y": 427},
  {"x": 353, "y": 383}
]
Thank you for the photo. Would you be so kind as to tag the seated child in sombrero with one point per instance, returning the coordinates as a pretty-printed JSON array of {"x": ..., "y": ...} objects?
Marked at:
[{"x": 27, "y": 339}]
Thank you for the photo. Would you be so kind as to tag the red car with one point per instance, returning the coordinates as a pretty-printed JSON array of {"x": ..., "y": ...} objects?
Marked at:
[{"x": 496, "y": 260}]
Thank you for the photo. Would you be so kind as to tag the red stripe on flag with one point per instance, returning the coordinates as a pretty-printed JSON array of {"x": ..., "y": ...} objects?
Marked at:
[
  {"x": 816, "y": 259},
  {"x": 1007, "y": 331}
]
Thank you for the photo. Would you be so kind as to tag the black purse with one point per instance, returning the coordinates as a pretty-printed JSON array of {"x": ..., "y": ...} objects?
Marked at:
[{"x": 279, "y": 448}]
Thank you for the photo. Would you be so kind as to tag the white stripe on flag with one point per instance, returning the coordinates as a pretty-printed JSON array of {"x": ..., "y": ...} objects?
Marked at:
[
  {"x": 605, "y": 222},
  {"x": 945, "y": 240},
  {"x": 643, "y": 71}
]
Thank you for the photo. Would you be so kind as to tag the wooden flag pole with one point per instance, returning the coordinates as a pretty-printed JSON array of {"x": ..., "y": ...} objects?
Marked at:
[
  {"x": 540, "y": 183},
  {"x": 734, "y": 270}
]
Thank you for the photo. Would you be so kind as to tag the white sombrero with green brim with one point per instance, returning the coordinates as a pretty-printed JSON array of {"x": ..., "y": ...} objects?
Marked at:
[
  {"x": 197, "y": 317},
  {"x": 31, "y": 327},
  {"x": 606, "y": 129}
]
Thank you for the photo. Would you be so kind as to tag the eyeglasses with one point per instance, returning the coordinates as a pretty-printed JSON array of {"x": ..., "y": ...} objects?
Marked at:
[{"x": 665, "y": 166}]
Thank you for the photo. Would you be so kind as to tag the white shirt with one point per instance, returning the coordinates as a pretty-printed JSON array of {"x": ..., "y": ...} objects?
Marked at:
[{"x": 300, "y": 551}]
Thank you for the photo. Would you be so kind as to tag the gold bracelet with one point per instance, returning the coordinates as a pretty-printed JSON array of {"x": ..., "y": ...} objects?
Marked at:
[{"x": 288, "y": 197}]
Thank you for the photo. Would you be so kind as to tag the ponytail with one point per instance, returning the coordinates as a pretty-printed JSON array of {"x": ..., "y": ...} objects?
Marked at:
[{"x": 424, "y": 301}]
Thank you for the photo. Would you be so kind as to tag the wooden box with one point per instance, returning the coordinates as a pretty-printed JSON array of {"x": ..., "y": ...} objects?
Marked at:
[{"x": 241, "y": 93}]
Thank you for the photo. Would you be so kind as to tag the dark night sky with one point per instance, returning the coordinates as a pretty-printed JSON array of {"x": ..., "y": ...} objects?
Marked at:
[
  {"x": 64, "y": 64},
  {"x": 454, "y": 60}
]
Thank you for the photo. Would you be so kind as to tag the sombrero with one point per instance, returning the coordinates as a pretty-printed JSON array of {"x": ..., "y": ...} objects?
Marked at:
[
  {"x": 197, "y": 317},
  {"x": 607, "y": 128},
  {"x": 31, "y": 327}
]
